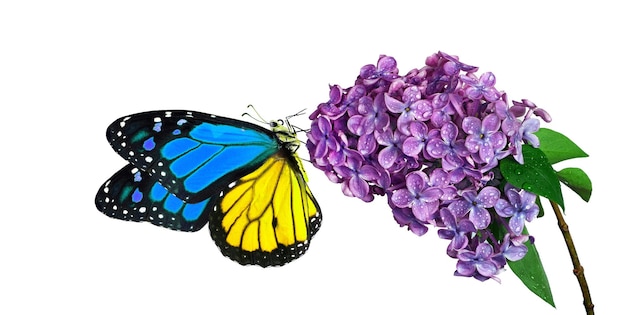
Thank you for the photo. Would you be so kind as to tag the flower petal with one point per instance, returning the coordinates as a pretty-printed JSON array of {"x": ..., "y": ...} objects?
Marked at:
[
  {"x": 402, "y": 198},
  {"x": 465, "y": 268},
  {"x": 471, "y": 125},
  {"x": 480, "y": 217},
  {"x": 388, "y": 156},
  {"x": 358, "y": 187},
  {"x": 488, "y": 196},
  {"x": 516, "y": 223},
  {"x": 394, "y": 105}
]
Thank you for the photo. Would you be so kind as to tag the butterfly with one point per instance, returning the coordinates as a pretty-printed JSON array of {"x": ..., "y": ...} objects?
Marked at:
[{"x": 188, "y": 168}]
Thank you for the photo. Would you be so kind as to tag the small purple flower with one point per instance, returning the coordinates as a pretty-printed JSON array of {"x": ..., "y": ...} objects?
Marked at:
[
  {"x": 465, "y": 171},
  {"x": 477, "y": 264},
  {"x": 356, "y": 175},
  {"x": 526, "y": 132},
  {"x": 511, "y": 251},
  {"x": 484, "y": 136},
  {"x": 392, "y": 142},
  {"x": 442, "y": 110},
  {"x": 520, "y": 207},
  {"x": 524, "y": 104},
  {"x": 416, "y": 142},
  {"x": 448, "y": 148},
  {"x": 372, "y": 116},
  {"x": 509, "y": 121},
  {"x": 476, "y": 205},
  {"x": 455, "y": 231},
  {"x": 422, "y": 199},
  {"x": 385, "y": 69},
  {"x": 411, "y": 108},
  {"x": 352, "y": 98},
  {"x": 483, "y": 87},
  {"x": 453, "y": 65},
  {"x": 405, "y": 217},
  {"x": 441, "y": 179},
  {"x": 322, "y": 135},
  {"x": 334, "y": 108},
  {"x": 339, "y": 156}
]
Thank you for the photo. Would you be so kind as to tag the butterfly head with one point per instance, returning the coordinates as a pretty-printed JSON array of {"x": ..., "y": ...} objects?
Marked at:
[
  {"x": 285, "y": 133},
  {"x": 282, "y": 129}
]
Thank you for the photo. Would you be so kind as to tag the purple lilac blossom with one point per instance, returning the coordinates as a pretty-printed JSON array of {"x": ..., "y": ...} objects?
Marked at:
[
  {"x": 431, "y": 141},
  {"x": 455, "y": 231},
  {"x": 511, "y": 251},
  {"x": 482, "y": 87},
  {"x": 484, "y": 137},
  {"x": 447, "y": 147},
  {"x": 477, "y": 263},
  {"x": 475, "y": 205},
  {"x": 519, "y": 206},
  {"x": 419, "y": 196}
]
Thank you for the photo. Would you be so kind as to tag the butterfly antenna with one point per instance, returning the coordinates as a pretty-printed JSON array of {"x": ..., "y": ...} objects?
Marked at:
[{"x": 258, "y": 117}]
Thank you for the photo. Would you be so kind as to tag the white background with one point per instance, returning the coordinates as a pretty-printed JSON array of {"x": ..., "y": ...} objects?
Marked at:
[{"x": 69, "y": 68}]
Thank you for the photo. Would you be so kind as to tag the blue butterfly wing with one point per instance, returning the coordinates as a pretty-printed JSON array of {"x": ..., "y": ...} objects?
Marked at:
[
  {"x": 134, "y": 195},
  {"x": 193, "y": 155}
]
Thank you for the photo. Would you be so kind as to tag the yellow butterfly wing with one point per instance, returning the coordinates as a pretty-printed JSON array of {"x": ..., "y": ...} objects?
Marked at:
[{"x": 267, "y": 217}]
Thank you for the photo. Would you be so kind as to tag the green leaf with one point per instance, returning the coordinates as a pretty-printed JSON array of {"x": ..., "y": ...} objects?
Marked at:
[
  {"x": 558, "y": 147},
  {"x": 577, "y": 180},
  {"x": 530, "y": 271},
  {"x": 535, "y": 175}
]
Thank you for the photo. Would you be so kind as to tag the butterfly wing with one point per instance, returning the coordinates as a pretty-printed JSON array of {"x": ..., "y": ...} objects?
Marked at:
[
  {"x": 193, "y": 155},
  {"x": 134, "y": 195},
  {"x": 189, "y": 167},
  {"x": 267, "y": 217}
]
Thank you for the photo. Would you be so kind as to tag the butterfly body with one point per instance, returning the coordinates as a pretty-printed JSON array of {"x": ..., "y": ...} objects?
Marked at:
[{"x": 189, "y": 168}]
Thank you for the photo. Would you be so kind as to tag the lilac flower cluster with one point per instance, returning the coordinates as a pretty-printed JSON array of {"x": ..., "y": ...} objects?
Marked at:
[{"x": 430, "y": 141}]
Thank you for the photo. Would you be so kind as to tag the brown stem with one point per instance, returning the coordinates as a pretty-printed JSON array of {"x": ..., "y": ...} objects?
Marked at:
[{"x": 578, "y": 268}]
